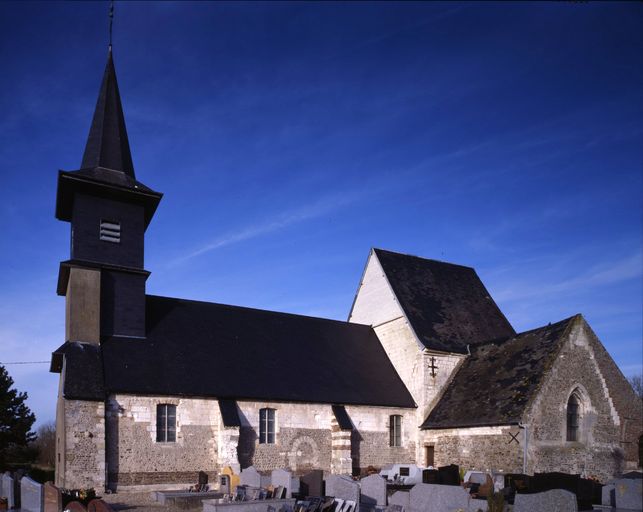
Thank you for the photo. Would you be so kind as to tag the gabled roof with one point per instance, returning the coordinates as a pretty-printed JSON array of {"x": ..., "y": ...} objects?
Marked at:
[
  {"x": 447, "y": 305},
  {"x": 498, "y": 380},
  {"x": 229, "y": 352},
  {"x": 83, "y": 370}
]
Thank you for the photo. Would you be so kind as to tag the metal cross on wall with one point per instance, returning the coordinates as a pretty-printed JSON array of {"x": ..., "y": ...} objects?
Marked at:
[{"x": 432, "y": 366}]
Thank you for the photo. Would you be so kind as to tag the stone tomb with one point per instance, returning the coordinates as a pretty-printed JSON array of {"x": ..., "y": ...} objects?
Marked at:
[
  {"x": 628, "y": 494},
  {"x": 438, "y": 498},
  {"x": 343, "y": 487},
  {"x": 312, "y": 484},
  {"x": 401, "y": 498},
  {"x": 555, "y": 500},
  {"x": 250, "y": 477},
  {"x": 283, "y": 478},
  {"x": 7, "y": 489},
  {"x": 53, "y": 498},
  {"x": 31, "y": 495},
  {"x": 373, "y": 491}
]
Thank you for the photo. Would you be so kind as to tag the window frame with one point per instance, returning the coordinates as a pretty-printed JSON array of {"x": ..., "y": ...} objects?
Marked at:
[
  {"x": 395, "y": 430},
  {"x": 572, "y": 418},
  {"x": 267, "y": 425},
  {"x": 165, "y": 427}
]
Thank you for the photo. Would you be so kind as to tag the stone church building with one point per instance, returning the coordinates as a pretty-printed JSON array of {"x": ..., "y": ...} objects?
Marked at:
[{"x": 426, "y": 370}]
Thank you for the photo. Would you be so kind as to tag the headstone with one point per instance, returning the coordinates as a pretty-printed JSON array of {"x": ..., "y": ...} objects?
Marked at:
[
  {"x": 373, "y": 491},
  {"x": 283, "y": 478},
  {"x": 250, "y": 476},
  {"x": 608, "y": 494},
  {"x": 30, "y": 495},
  {"x": 312, "y": 483},
  {"x": 98, "y": 505},
  {"x": 430, "y": 476},
  {"x": 628, "y": 493},
  {"x": 401, "y": 498},
  {"x": 53, "y": 498},
  {"x": 8, "y": 489},
  {"x": 295, "y": 485},
  {"x": 437, "y": 498},
  {"x": 449, "y": 475},
  {"x": 555, "y": 500},
  {"x": 342, "y": 487},
  {"x": 75, "y": 506}
]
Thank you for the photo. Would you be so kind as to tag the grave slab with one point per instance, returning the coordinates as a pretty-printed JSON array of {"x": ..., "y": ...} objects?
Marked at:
[
  {"x": 373, "y": 491},
  {"x": 8, "y": 489},
  {"x": 312, "y": 484},
  {"x": 556, "y": 500},
  {"x": 53, "y": 498},
  {"x": 31, "y": 495},
  {"x": 342, "y": 487},
  {"x": 401, "y": 498},
  {"x": 250, "y": 476},
  {"x": 438, "y": 498},
  {"x": 281, "y": 477},
  {"x": 628, "y": 494}
]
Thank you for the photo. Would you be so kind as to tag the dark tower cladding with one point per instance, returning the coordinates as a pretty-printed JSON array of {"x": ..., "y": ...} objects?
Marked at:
[{"x": 109, "y": 211}]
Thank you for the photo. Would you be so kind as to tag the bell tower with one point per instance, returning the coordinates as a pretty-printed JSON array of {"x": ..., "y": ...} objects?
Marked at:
[{"x": 109, "y": 211}]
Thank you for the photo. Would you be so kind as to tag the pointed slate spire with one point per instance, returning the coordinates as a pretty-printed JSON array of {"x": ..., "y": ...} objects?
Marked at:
[{"x": 107, "y": 144}]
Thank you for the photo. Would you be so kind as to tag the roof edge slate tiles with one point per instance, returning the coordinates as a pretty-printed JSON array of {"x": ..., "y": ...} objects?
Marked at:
[
  {"x": 446, "y": 304},
  {"x": 500, "y": 379},
  {"x": 198, "y": 348}
]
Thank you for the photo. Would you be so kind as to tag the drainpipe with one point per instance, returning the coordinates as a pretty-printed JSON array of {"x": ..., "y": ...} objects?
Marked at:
[{"x": 525, "y": 446}]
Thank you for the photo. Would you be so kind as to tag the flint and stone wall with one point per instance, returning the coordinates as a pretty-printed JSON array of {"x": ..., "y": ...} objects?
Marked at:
[
  {"x": 479, "y": 448},
  {"x": 599, "y": 450}
]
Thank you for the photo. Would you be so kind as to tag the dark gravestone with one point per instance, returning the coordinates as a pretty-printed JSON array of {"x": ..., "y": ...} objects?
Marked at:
[
  {"x": 449, "y": 475},
  {"x": 75, "y": 506},
  {"x": 53, "y": 498},
  {"x": 312, "y": 484},
  {"x": 430, "y": 476},
  {"x": 98, "y": 505}
]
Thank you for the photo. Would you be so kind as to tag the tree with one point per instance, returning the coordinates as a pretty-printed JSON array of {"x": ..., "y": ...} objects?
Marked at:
[
  {"x": 637, "y": 384},
  {"x": 46, "y": 444},
  {"x": 15, "y": 417}
]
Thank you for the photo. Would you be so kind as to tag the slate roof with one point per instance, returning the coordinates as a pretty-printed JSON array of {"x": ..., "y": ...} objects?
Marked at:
[
  {"x": 229, "y": 352},
  {"x": 447, "y": 305},
  {"x": 83, "y": 373},
  {"x": 497, "y": 382}
]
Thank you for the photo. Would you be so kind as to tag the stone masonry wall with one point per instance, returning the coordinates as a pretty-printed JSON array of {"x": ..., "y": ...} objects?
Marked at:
[
  {"x": 598, "y": 451},
  {"x": 480, "y": 448},
  {"x": 84, "y": 458},
  {"x": 135, "y": 458}
]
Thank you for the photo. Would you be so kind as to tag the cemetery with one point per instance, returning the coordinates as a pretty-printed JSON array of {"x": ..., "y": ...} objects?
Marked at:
[{"x": 442, "y": 489}]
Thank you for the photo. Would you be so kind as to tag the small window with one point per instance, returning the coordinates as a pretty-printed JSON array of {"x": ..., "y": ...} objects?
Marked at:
[
  {"x": 573, "y": 406},
  {"x": 395, "y": 430},
  {"x": 165, "y": 423},
  {"x": 267, "y": 426},
  {"x": 110, "y": 231}
]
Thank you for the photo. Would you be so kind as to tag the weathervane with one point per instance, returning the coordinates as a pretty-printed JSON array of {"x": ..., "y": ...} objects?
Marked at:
[{"x": 111, "y": 22}]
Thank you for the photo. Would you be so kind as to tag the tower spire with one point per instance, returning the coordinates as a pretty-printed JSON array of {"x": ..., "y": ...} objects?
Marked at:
[{"x": 107, "y": 144}]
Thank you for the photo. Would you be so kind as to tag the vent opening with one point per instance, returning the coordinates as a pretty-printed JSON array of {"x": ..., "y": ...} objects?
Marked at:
[{"x": 110, "y": 231}]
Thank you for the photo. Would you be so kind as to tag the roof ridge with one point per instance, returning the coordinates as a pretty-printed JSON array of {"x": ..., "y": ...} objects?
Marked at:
[
  {"x": 406, "y": 255},
  {"x": 259, "y": 310}
]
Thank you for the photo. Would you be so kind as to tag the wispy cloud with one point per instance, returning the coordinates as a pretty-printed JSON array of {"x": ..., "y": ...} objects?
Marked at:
[
  {"x": 601, "y": 275},
  {"x": 318, "y": 209}
]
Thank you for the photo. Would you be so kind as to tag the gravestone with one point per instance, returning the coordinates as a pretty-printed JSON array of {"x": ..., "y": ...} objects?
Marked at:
[
  {"x": 8, "y": 489},
  {"x": 53, "y": 498},
  {"x": 449, "y": 475},
  {"x": 430, "y": 476},
  {"x": 98, "y": 505},
  {"x": 283, "y": 478},
  {"x": 312, "y": 483},
  {"x": 75, "y": 506},
  {"x": 555, "y": 500},
  {"x": 401, "y": 498},
  {"x": 30, "y": 495},
  {"x": 608, "y": 494},
  {"x": 342, "y": 487},
  {"x": 437, "y": 498},
  {"x": 295, "y": 485},
  {"x": 250, "y": 476},
  {"x": 628, "y": 494},
  {"x": 373, "y": 491}
]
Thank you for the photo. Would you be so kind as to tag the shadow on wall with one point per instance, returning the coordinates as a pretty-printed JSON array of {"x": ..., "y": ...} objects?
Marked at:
[
  {"x": 112, "y": 446},
  {"x": 356, "y": 441},
  {"x": 247, "y": 441}
]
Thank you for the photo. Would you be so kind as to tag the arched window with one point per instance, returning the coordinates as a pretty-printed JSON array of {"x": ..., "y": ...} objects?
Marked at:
[{"x": 573, "y": 416}]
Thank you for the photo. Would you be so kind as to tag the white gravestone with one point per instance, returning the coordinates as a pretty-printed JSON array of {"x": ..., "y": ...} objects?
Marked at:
[
  {"x": 31, "y": 495},
  {"x": 342, "y": 487},
  {"x": 251, "y": 477},
  {"x": 556, "y": 500},
  {"x": 373, "y": 491}
]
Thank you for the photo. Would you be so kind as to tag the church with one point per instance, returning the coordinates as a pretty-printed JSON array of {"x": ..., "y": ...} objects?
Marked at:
[{"x": 426, "y": 370}]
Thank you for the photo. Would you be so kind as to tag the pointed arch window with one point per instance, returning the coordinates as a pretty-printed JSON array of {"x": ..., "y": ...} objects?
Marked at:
[{"x": 573, "y": 418}]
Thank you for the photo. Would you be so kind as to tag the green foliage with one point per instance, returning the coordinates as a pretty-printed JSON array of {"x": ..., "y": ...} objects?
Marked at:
[{"x": 16, "y": 419}]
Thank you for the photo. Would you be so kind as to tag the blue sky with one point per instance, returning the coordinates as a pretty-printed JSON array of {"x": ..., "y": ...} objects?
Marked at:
[{"x": 290, "y": 138}]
